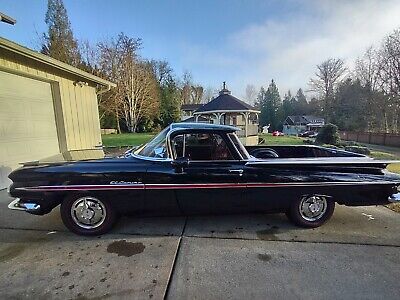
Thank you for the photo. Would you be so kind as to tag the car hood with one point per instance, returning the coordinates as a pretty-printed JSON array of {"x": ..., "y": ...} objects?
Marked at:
[{"x": 68, "y": 156}]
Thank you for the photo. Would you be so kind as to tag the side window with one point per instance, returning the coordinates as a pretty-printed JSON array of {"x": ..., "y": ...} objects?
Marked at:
[{"x": 201, "y": 146}]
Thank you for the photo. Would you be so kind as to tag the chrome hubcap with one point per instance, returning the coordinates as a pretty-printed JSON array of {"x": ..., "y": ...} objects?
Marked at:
[
  {"x": 312, "y": 208},
  {"x": 88, "y": 212}
]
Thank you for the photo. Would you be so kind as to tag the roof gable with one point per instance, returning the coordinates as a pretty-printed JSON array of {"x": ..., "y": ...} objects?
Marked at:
[
  {"x": 225, "y": 102},
  {"x": 303, "y": 120},
  {"x": 47, "y": 60}
]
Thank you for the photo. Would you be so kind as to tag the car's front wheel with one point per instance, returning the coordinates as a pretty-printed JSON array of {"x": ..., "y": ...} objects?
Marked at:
[
  {"x": 311, "y": 210},
  {"x": 87, "y": 215}
]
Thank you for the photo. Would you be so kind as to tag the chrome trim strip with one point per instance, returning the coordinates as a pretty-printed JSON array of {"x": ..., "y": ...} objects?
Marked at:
[
  {"x": 57, "y": 188},
  {"x": 327, "y": 161},
  {"x": 149, "y": 186},
  {"x": 148, "y": 158}
]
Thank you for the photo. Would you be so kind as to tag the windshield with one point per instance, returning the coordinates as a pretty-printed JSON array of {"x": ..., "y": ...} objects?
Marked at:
[
  {"x": 157, "y": 147},
  {"x": 239, "y": 146}
]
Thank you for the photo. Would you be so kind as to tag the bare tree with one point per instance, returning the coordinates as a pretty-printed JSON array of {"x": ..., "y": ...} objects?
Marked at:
[
  {"x": 141, "y": 97},
  {"x": 367, "y": 69},
  {"x": 190, "y": 93},
  {"x": 208, "y": 94},
  {"x": 196, "y": 94},
  {"x": 161, "y": 70},
  {"x": 186, "y": 87},
  {"x": 119, "y": 63},
  {"x": 251, "y": 94},
  {"x": 389, "y": 75},
  {"x": 329, "y": 74}
]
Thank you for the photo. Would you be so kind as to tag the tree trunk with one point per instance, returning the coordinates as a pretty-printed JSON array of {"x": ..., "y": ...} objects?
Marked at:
[{"x": 117, "y": 119}]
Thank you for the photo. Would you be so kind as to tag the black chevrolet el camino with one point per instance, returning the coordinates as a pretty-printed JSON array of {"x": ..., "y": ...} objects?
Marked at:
[{"x": 194, "y": 168}]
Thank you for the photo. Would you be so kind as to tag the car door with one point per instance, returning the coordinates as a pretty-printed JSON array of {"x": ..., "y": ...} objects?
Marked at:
[
  {"x": 208, "y": 174},
  {"x": 264, "y": 192}
]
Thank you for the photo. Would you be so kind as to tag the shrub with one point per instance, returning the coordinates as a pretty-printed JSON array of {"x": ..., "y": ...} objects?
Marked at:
[
  {"x": 308, "y": 142},
  {"x": 358, "y": 149},
  {"x": 328, "y": 134}
]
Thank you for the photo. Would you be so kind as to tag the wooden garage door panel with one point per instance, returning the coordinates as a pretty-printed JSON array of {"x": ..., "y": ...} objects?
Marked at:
[{"x": 27, "y": 123}]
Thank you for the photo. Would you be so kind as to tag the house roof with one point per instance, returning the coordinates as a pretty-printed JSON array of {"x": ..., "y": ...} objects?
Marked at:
[
  {"x": 6, "y": 19},
  {"x": 47, "y": 60},
  {"x": 190, "y": 107},
  {"x": 225, "y": 102},
  {"x": 303, "y": 120},
  {"x": 192, "y": 119}
]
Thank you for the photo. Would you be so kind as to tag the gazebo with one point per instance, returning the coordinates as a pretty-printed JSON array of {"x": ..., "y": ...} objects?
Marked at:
[{"x": 229, "y": 110}]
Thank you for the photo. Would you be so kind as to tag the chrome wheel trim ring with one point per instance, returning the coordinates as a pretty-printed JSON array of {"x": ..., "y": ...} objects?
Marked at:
[
  {"x": 88, "y": 212},
  {"x": 313, "y": 207}
]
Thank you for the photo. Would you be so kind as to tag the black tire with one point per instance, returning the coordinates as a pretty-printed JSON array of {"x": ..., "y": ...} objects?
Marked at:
[
  {"x": 297, "y": 217},
  {"x": 102, "y": 227}
]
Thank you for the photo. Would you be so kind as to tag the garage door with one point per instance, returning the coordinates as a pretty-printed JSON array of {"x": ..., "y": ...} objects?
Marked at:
[{"x": 27, "y": 123}]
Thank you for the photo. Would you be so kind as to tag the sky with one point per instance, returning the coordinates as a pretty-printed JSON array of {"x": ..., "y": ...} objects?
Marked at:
[{"x": 237, "y": 41}]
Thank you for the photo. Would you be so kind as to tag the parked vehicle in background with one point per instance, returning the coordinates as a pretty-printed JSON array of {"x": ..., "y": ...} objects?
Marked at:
[
  {"x": 309, "y": 134},
  {"x": 277, "y": 133}
]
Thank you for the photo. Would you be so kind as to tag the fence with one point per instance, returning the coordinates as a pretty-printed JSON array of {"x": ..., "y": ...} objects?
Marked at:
[
  {"x": 386, "y": 139},
  {"x": 108, "y": 131}
]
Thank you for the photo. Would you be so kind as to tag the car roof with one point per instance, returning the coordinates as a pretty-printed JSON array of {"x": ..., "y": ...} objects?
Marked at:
[{"x": 205, "y": 126}]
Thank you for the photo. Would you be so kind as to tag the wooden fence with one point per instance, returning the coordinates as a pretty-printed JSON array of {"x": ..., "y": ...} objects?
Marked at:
[{"x": 386, "y": 139}]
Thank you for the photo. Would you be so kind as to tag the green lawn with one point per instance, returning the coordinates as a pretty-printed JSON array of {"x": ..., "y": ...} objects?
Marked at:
[
  {"x": 126, "y": 139},
  {"x": 281, "y": 140}
]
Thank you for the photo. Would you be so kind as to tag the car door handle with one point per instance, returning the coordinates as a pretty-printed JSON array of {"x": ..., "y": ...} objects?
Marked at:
[{"x": 236, "y": 171}]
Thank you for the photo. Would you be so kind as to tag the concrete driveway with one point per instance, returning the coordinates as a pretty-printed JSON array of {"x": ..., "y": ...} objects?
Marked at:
[{"x": 354, "y": 256}]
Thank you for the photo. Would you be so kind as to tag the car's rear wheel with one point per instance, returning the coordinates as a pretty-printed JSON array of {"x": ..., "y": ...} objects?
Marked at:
[
  {"x": 311, "y": 210},
  {"x": 87, "y": 215}
]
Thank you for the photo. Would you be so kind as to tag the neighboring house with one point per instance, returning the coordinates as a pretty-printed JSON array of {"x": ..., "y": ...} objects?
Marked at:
[
  {"x": 293, "y": 125},
  {"x": 187, "y": 110},
  {"x": 46, "y": 107},
  {"x": 229, "y": 110}
]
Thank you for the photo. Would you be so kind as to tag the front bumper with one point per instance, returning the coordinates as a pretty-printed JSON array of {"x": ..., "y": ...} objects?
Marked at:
[{"x": 29, "y": 207}]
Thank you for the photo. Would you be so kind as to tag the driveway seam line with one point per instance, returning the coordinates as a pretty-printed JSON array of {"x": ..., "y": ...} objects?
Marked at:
[
  {"x": 171, "y": 274},
  {"x": 292, "y": 241}
]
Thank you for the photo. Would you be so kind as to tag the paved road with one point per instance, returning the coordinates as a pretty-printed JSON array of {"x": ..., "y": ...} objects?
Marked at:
[{"x": 354, "y": 256}]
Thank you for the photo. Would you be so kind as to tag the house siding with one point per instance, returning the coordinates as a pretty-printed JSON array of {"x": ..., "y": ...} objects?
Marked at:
[{"x": 76, "y": 111}]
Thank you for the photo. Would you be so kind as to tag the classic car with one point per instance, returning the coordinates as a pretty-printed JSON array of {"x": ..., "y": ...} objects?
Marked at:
[{"x": 195, "y": 168}]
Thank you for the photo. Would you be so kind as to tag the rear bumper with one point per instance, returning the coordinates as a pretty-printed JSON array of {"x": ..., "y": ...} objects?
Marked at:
[
  {"x": 395, "y": 198},
  {"x": 30, "y": 207}
]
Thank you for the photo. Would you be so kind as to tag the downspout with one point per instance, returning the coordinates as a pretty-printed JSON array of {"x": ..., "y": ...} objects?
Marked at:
[{"x": 107, "y": 88}]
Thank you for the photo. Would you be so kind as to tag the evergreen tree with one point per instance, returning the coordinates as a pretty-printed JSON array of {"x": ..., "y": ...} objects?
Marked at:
[
  {"x": 270, "y": 105},
  {"x": 170, "y": 104},
  {"x": 170, "y": 101},
  {"x": 302, "y": 107},
  {"x": 288, "y": 105},
  {"x": 350, "y": 105},
  {"x": 59, "y": 41}
]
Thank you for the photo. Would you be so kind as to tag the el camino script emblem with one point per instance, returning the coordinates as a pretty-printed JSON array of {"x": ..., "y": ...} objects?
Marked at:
[{"x": 124, "y": 182}]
